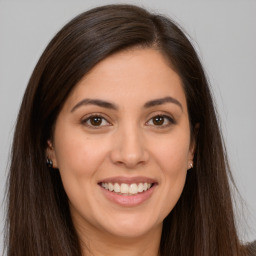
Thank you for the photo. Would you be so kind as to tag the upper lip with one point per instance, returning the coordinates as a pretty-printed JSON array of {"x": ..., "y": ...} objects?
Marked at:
[{"x": 128, "y": 180}]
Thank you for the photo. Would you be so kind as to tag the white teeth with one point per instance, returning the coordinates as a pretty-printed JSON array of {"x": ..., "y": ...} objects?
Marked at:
[
  {"x": 127, "y": 189},
  {"x": 110, "y": 186},
  {"x": 124, "y": 188},
  {"x": 133, "y": 189},
  {"x": 141, "y": 187},
  {"x": 117, "y": 188}
]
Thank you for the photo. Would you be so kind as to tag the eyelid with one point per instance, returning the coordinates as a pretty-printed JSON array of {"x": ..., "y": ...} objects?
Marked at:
[
  {"x": 168, "y": 116},
  {"x": 96, "y": 114}
]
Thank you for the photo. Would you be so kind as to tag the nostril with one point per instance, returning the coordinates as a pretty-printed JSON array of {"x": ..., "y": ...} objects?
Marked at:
[{"x": 129, "y": 150}]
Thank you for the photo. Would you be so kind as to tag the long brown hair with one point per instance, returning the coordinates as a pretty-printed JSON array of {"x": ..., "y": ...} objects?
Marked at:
[{"x": 39, "y": 222}]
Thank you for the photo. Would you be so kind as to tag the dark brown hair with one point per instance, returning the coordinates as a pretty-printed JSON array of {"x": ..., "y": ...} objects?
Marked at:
[{"x": 39, "y": 222}]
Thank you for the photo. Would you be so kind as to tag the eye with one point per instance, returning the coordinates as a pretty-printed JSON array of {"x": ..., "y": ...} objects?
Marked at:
[
  {"x": 95, "y": 121},
  {"x": 161, "y": 121}
]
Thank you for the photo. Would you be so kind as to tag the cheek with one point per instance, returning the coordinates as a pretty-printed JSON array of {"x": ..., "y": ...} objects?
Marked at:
[
  {"x": 172, "y": 157},
  {"x": 173, "y": 162},
  {"x": 77, "y": 154},
  {"x": 172, "y": 153},
  {"x": 78, "y": 157}
]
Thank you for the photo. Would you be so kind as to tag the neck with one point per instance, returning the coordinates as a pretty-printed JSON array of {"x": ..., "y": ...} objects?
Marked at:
[{"x": 104, "y": 244}]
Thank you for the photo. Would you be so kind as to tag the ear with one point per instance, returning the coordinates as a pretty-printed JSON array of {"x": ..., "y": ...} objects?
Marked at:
[
  {"x": 50, "y": 153},
  {"x": 193, "y": 143}
]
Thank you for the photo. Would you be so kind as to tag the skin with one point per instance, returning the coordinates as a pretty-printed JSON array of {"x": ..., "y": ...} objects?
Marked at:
[{"x": 127, "y": 143}]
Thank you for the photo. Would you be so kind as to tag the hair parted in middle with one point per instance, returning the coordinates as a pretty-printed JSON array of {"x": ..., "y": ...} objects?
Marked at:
[{"x": 201, "y": 223}]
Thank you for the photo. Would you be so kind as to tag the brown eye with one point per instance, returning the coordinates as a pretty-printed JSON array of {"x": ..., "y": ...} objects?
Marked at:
[
  {"x": 158, "y": 120},
  {"x": 95, "y": 120},
  {"x": 161, "y": 121}
]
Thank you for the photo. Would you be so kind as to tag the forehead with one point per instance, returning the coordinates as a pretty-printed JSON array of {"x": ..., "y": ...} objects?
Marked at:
[{"x": 136, "y": 74}]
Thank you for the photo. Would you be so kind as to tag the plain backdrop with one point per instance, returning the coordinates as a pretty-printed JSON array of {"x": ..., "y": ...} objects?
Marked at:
[{"x": 224, "y": 34}]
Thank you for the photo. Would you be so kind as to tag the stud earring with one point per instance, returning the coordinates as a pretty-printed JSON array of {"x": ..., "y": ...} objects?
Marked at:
[
  {"x": 49, "y": 163},
  {"x": 191, "y": 165}
]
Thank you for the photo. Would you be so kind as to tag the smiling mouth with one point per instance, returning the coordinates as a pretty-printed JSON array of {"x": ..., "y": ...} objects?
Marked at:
[{"x": 126, "y": 189}]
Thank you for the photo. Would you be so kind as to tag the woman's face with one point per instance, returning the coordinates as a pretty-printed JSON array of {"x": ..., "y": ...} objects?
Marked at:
[{"x": 122, "y": 144}]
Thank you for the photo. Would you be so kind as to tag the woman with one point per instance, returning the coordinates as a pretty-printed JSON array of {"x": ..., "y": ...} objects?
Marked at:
[{"x": 117, "y": 149}]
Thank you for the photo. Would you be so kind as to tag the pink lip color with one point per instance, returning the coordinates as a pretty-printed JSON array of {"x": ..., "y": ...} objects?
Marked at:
[{"x": 128, "y": 201}]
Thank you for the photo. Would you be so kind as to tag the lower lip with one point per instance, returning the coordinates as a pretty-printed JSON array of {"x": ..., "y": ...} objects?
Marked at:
[{"x": 131, "y": 200}]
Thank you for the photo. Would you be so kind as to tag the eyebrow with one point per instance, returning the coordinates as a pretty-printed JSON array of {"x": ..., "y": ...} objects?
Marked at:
[
  {"x": 100, "y": 103},
  {"x": 109, "y": 105},
  {"x": 161, "y": 101}
]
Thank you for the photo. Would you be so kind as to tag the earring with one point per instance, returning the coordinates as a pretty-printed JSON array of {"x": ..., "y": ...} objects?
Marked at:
[
  {"x": 191, "y": 165},
  {"x": 49, "y": 163}
]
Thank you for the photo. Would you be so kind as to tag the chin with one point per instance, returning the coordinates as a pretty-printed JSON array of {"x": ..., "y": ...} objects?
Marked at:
[{"x": 132, "y": 227}]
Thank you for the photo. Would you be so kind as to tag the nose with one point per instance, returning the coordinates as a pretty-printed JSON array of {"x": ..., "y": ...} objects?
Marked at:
[{"x": 129, "y": 149}]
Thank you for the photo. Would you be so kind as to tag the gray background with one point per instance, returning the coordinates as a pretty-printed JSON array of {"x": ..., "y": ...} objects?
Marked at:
[{"x": 224, "y": 34}]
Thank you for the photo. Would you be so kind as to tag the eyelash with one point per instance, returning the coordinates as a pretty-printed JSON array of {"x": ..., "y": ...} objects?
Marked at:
[
  {"x": 170, "y": 121},
  {"x": 89, "y": 118}
]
